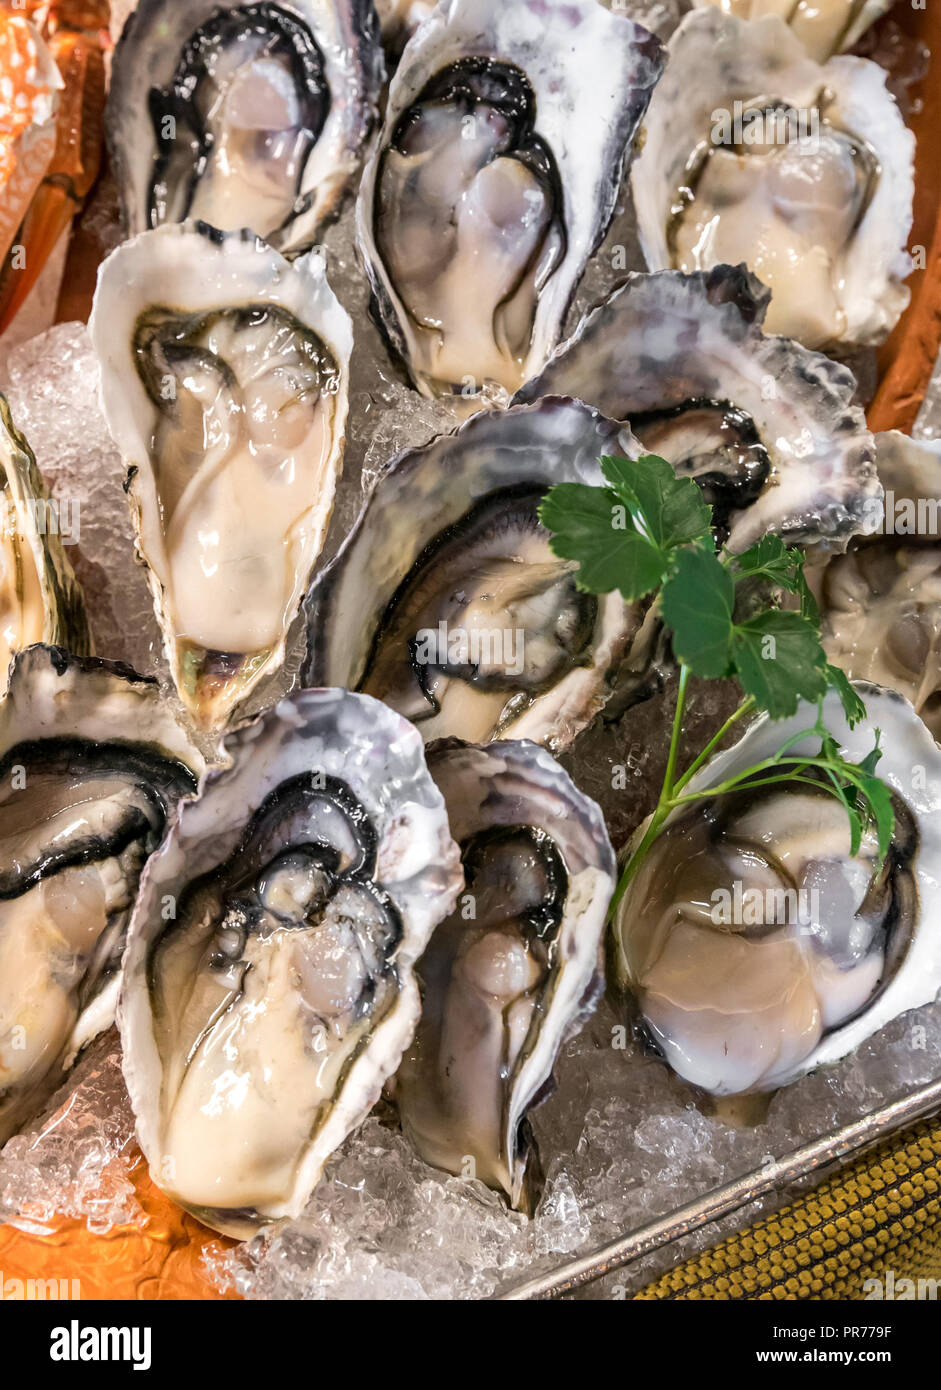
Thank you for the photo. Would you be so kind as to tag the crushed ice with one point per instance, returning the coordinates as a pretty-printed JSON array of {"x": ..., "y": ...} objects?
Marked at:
[{"x": 622, "y": 1142}]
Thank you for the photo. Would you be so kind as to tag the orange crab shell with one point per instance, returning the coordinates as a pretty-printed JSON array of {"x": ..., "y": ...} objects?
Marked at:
[{"x": 29, "y": 96}]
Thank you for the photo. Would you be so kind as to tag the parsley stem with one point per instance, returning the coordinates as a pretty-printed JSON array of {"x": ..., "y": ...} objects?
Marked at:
[
  {"x": 638, "y": 857},
  {"x": 664, "y": 803},
  {"x": 666, "y": 790},
  {"x": 744, "y": 708},
  {"x": 791, "y": 742},
  {"x": 790, "y": 777},
  {"x": 796, "y": 765}
]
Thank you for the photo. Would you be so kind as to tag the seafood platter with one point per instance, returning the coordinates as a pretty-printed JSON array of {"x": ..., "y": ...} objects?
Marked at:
[{"x": 474, "y": 770}]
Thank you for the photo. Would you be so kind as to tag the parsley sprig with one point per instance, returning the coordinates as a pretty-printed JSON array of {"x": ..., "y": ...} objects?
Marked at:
[{"x": 649, "y": 533}]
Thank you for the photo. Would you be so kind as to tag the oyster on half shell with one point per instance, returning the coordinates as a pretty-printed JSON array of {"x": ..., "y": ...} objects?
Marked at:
[
  {"x": 753, "y": 152},
  {"x": 40, "y": 600},
  {"x": 446, "y": 601},
  {"x": 495, "y": 175},
  {"x": 767, "y": 428},
  {"x": 260, "y": 1023},
  {"x": 224, "y": 381},
  {"x": 881, "y": 601},
  {"x": 515, "y": 969},
  {"x": 92, "y": 764},
  {"x": 824, "y": 27},
  {"x": 242, "y": 115},
  {"x": 757, "y": 945}
]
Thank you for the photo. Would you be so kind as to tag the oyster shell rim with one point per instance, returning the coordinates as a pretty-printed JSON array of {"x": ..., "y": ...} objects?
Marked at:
[
  {"x": 65, "y": 619},
  {"x": 32, "y": 715},
  {"x": 140, "y": 1055},
  {"x": 318, "y": 665},
  {"x": 298, "y": 285},
  {"x": 737, "y": 302},
  {"x": 359, "y": 16},
  {"x": 523, "y": 761},
  {"x": 871, "y": 111},
  {"x": 437, "y": 29},
  {"x": 917, "y": 979}
]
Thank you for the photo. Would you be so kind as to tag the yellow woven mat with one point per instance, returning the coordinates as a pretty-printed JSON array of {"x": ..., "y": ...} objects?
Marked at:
[{"x": 880, "y": 1215}]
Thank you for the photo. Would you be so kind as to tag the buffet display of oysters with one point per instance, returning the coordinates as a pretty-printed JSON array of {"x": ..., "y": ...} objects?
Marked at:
[{"x": 329, "y": 866}]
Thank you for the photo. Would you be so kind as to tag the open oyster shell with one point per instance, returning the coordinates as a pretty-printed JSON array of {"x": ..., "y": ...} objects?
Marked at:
[
  {"x": 767, "y": 427},
  {"x": 753, "y": 151},
  {"x": 92, "y": 765},
  {"x": 824, "y": 27},
  {"x": 445, "y": 600},
  {"x": 757, "y": 945},
  {"x": 224, "y": 381},
  {"x": 242, "y": 115},
  {"x": 515, "y": 969},
  {"x": 398, "y": 20},
  {"x": 881, "y": 601},
  {"x": 269, "y": 977},
  {"x": 40, "y": 600},
  {"x": 494, "y": 177}
]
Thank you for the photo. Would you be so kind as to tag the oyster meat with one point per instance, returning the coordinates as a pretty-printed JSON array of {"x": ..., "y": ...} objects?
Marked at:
[
  {"x": 515, "y": 969},
  {"x": 495, "y": 175},
  {"x": 753, "y": 152},
  {"x": 224, "y": 381},
  {"x": 242, "y": 115},
  {"x": 768, "y": 429},
  {"x": 92, "y": 763},
  {"x": 757, "y": 944},
  {"x": 824, "y": 27},
  {"x": 40, "y": 600},
  {"x": 881, "y": 601},
  {"x": 445, "y": 600},
  {"x": 261, "y": 1020}
]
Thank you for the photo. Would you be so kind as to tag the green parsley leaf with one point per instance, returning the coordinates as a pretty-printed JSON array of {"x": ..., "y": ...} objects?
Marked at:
[
  {"x": 779, "y": 660},
  {"x": 853, "y": 707},
  {"x": 697, "y": 602},
  {"x": 624, "y": 536},
  {"x": 866, "y": 799},
  {"x": 847, "y": 794},
  {"x": 779, "y": 565},
  {"x": 871, "y": 760},
  {"x": 611, "y": 556},
  {"x": 769, "y": 559},
  {"x": 668, "y": 510},
  {"x": 809, "y": 607},
  {"x": 879, "y": 798}
]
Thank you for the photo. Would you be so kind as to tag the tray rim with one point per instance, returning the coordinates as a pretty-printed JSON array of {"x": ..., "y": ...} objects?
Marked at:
[{"x": 850, "y": 1140}]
